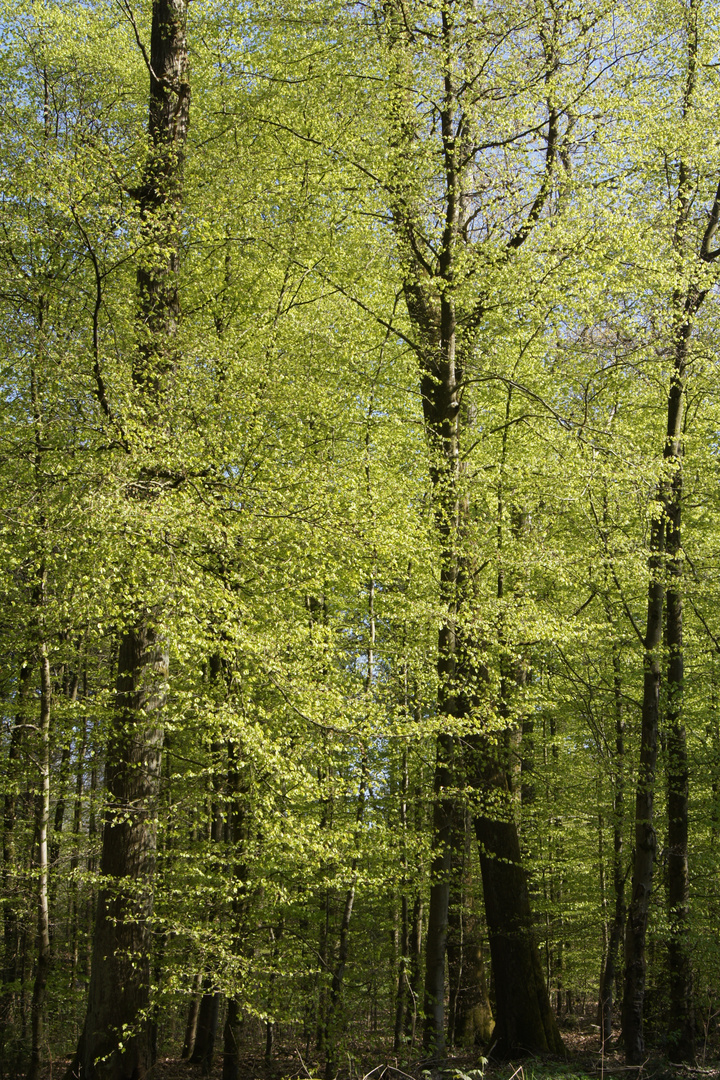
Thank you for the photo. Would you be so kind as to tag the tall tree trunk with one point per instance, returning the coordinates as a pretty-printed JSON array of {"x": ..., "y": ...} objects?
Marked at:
[
  {"x": 524, "y": 1019},
  {"x": 238, "y": 831},
  {"x": 401, "y": 992},
  {"x": 192, "y": 1019},
  {"x": 415, "y": 972},
  {"x": 336, "y": 986},
  {"x": 75, "y": 857},
  {"x": 116, "y": 1043},
  {"x": 209, "y": 1010},
  {"x": 666, "y": 539},
  {"x": 70, "y": 688},
  {"x": 331, "y": 1024},
  {"x": 456, "y": 922},
  {"x": 232, "y": 1040},
  {"x": 122, "y": 943},
  {"x": 91, "y": 899},
  {"x": 609, "y": 972},
  {"x": 206, "y": 1031},
  {"x": 681, "y": 1042},
  {"x": 471, "y": 1020},
  {"x": 10, "y": 883},
  {"x": 42, "y": 969},
  {"x": 444, "y": 342},
  {"x": 437, "y": 928},
  {"x": 70, "y": 691},
  {"x": 645, "y": 839}
]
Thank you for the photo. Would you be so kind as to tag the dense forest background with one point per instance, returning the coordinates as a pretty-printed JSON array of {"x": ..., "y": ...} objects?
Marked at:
[{"x": 360, "y": 536}]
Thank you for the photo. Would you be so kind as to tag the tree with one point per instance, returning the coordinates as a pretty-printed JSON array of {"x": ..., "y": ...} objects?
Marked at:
[
  {"x": 380, "y": 501},
  {"x": 443, "y": 157},
  {"x": 691, "y": 246},
  {"x": 116, "y": 1038}
]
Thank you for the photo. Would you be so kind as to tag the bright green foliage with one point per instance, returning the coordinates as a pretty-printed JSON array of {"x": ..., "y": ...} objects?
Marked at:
[{"x": 287, "y": 535}]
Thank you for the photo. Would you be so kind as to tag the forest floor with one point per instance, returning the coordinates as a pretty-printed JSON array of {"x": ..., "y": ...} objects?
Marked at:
[{"x": 585, "y": 1061}]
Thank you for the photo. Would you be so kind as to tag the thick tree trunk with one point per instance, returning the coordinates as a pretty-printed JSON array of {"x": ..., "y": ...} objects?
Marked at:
[
  {"x": 443, "y": 343},
  {"x": 122, "y": 944},
  {"x": 331, "y": 1021},
  {"x": 206, "y": 1032},
  {"x": 645, "y": 839},
  {"x": 470, "y": 1014},
  {"x": 116, "y": 1043},
  {"x": 232, "y": 1041},
  {"x": 524, "y": 1020},
  {"x": 474, "y": 1022}
]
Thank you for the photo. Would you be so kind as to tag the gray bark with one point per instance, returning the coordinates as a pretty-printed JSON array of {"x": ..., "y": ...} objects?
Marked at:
[
  {"x": 443, "y": 341},
  {"x": 116, "y": 1043}
]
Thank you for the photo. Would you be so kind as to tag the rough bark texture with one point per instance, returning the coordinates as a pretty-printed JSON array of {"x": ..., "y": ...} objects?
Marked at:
[
  {"x": 160, "y": 198},
  {"x": 122, "y": 945},
  {"x": 524, "y": 1020},
  {"x": 470, "y": 1014},
  {"x": 116, "y": 1043},
  {"x": 206, "y": 1031},
  {"x": 443, "y": 342}
]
